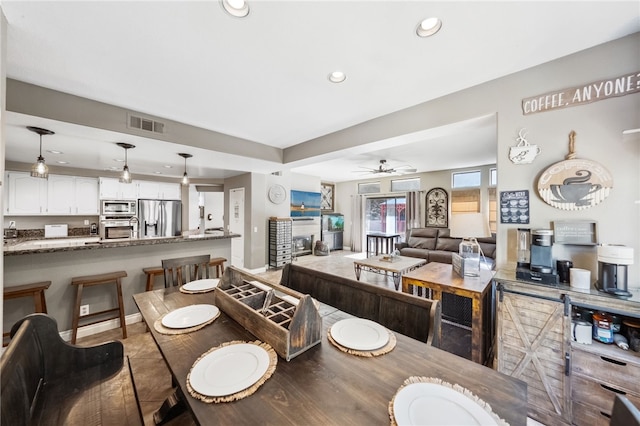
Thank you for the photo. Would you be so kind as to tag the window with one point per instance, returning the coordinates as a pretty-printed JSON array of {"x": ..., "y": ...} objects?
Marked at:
[
  {"x": 493, "y": 176},
  {"x": 369, "y": 188},
  {"x": 493, "y": 210},
  {"x": 465, "y": 201},
  {"x": 466, "y": 179},
  {"x": 412, "y": 184},
  {"x": 385, "y": 214}
]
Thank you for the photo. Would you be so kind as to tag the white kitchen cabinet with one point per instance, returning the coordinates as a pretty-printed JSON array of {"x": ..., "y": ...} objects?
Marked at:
[
  {"x": 26, "y": 195},
  {"x": 113, "y": 189},
  {"x": 170, "y": 191},
  {"x": 72, "y": 195},
  {"x": 148, "y": 189},
  {"x": 86, "y": 192},
  {"x": 61, "y": 198},
  {"x": 159, "y": 190},
  {"x": 58, "y": 195}
]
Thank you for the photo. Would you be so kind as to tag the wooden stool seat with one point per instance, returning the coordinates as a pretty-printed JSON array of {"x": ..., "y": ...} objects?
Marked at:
[
  {"x": 35, "y": 290},
  {"x": 152, "y": 272},
  {"x": 99, "y": 279},
  {"x": 218, "y": 263}
]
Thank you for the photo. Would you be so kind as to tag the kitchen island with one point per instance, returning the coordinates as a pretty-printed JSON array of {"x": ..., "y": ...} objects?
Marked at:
[{"x": 27, "y": 261}]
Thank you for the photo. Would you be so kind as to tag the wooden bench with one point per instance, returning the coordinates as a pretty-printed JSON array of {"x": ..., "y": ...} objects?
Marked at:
[
  {"x": 412, "y": 316},
  {"x": 46, "y": 381}
]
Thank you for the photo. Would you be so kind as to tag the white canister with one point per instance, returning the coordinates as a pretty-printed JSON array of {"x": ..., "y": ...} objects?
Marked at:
[
  {"x": 582, "y": 332},
  {"x": 580, "y": 278}
]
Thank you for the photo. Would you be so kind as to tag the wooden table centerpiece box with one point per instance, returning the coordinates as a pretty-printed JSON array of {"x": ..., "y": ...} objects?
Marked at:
[{"x": 291, "y": 325}]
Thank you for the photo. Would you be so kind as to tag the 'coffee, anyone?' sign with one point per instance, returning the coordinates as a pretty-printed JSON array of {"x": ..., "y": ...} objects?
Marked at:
[{"x": 585, "y": 94}]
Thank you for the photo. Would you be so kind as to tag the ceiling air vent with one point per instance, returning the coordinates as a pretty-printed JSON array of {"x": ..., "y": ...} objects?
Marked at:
[{"x": 142, "y": 123}]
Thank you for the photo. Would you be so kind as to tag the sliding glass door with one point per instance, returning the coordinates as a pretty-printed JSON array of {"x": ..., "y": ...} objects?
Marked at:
[{"x": 385, "y": 214}]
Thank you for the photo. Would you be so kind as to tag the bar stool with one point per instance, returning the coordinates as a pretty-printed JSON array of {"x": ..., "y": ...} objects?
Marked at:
[
  {"x": 91, "y": 280},
  {"x": 35, "y": 290},
  {"x": 151, "y": 276},
  {"x": 218, "y": 263},
  {"x": 152, "y": 272}
]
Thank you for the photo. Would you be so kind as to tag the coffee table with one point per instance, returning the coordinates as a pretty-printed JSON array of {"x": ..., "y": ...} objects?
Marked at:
[
  {"x": 439, "y": 278},
  {"x": 398, "y": 266}
]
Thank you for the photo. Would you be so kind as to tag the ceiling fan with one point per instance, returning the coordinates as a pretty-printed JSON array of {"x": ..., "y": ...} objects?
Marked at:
[{"x": 384, "y": 168}]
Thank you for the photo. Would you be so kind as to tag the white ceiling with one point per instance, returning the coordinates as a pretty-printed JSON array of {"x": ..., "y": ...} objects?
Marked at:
[{"x": 264, "y": 78}]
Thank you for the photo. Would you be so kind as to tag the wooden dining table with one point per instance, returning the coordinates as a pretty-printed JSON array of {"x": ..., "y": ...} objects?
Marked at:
[{"x": 323, "y": 385}]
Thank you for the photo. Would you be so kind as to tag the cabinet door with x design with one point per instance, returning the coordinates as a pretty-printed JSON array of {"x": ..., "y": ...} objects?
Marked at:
[{"x": 533, "y": 346}]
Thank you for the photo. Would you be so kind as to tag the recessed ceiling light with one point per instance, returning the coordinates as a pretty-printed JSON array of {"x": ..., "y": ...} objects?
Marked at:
[
  {"x": 337, "y": 77},
  {"x": 157, "y": 173},
  {"x": 53, "y": 151},
  {"x": 62, "y": 162},
  {"x": 167, "y": 166},
  {"x": 428, "y": 27},
  {"x": 119, "y": 160},
  {"x": 237, "y": 8}
]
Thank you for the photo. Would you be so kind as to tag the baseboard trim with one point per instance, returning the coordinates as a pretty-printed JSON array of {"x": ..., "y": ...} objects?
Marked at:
[{"x": 100, "y": 327}]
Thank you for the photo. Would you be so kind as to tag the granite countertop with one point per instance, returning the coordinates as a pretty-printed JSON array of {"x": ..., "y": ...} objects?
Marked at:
[{"x": 22, "y": 246}]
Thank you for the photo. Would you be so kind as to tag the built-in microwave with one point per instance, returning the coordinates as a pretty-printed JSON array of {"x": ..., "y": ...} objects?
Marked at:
[
  {"x": 115, "y": 229},
  {"x": 118, "y": 208}
]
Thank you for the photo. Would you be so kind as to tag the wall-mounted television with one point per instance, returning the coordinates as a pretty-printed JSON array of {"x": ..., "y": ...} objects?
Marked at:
[{"x": 305, "y": 204}]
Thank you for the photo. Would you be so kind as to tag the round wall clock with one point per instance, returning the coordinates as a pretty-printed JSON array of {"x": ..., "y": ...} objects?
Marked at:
[{"x": 277, "y": 193}]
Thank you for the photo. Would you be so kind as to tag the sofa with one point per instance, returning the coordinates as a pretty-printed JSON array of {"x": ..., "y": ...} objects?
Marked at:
[{"x": 437, "y": 245}]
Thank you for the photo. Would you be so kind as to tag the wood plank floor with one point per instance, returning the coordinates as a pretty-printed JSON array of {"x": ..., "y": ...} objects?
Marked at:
[{"x": 152, "y": 378}]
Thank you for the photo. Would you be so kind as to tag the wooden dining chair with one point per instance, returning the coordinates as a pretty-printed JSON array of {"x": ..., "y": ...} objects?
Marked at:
[
  {"x": 181, "y": 270},
  {"x": 624, "y": 412}
]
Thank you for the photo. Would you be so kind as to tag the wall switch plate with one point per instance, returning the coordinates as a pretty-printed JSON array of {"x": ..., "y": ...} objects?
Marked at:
[
  {"x": 84, "y": 310},
  {"x": 86, "y": 221},
  {"x": 12, "y": 224}
]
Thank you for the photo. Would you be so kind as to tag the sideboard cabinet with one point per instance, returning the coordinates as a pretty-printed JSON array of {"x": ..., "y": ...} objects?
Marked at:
[{"x": 568, "y": 382}]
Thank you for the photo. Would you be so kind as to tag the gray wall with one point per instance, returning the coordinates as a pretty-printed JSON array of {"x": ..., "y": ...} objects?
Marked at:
[
  {"x": 60, "y": 267},
  {"x": 599, "y": 127}
]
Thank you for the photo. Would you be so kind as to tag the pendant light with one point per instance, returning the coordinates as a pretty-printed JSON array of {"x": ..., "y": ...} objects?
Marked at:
[
  {"x": 125, "y": 177},
  {"x": 185, "y": 177},
  {"x": 39, "y": 168}
]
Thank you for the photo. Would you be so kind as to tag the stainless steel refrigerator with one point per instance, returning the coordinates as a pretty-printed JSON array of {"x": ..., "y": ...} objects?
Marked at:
[{"x": 159, "y": 218}]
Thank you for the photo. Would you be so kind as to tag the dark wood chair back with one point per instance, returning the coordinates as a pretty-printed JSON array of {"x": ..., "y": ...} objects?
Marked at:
[
  {"x": 624, "y": 412},
  {"x": 412, "y": 316},
  {"x": 181, "y": 270},
  {"x": 44, "y": 378}
]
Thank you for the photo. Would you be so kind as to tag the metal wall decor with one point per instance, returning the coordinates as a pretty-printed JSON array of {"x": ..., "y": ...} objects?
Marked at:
[
  {"x": 574, "y": 184},
  {"x": 523, "y": 153},
  {"x": 437, "y": 208}
]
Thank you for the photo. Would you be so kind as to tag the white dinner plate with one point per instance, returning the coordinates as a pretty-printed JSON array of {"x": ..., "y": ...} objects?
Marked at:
[
  {"x": 190, "y": 316},
  {"x": 359, "y": 334},
  {"x": 201, "y": 285},
  {"x": 229, "y": 369},
  {"x": 435, "y": 404}
]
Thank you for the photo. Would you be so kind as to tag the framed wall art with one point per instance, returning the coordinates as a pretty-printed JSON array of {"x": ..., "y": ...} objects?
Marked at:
[
  {"x": 328, "y": 197},
  {"x": 437, "y": 208},
  {"x": 514, "y": 207}
]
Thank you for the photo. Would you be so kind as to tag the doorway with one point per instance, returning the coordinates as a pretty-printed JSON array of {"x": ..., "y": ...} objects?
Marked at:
[
  {"x": 386, "y": 215},
  {"x": 236, "y": 225}
]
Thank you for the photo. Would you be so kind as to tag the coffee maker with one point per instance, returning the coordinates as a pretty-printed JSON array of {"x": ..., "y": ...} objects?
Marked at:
[
  {"x": 612, "y": 269},
  {"x": 540, "y": 269}
]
